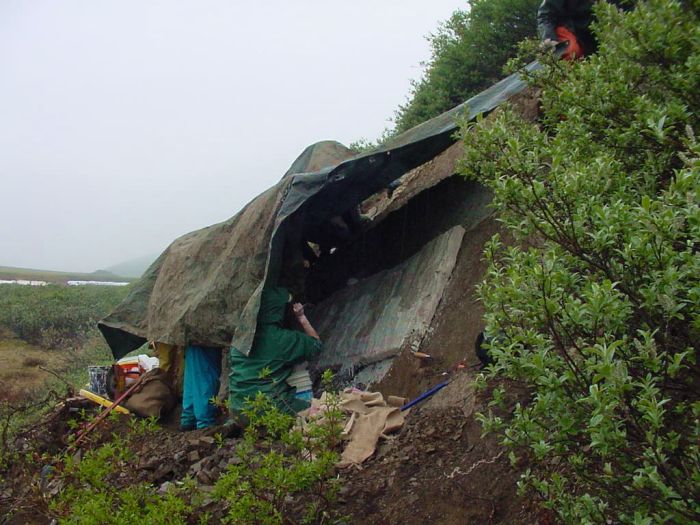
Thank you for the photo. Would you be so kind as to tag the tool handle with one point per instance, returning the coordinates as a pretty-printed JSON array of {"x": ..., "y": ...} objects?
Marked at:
[
  {"x": 106, "y": 412},
  {"x": 425, "y": 395}
]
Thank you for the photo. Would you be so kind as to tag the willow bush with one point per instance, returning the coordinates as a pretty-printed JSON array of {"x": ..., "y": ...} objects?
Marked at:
[{"x": 597, "y": 300}]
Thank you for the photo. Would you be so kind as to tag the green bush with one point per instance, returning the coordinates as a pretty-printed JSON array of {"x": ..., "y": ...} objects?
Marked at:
[
  {"x": 284, "y": 474},
  {"x": 283, "y": 471},
  {"x": 56, "y": 315},
  {"x": 468, "y": 52},
  {"x": 597, "y": 303},
  {"x": 89, "y": 495}
]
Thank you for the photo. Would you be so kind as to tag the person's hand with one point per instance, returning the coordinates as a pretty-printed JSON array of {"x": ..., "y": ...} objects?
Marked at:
[
  {"x": 548, "y": 44},
  {"x": 298, "y": 310}
]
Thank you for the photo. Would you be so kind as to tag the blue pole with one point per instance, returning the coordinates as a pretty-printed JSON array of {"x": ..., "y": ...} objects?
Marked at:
[{"x": 424, "y": 395}]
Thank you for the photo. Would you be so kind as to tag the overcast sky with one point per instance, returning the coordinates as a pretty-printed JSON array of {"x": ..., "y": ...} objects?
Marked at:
[{"x": 124, "y": 124}]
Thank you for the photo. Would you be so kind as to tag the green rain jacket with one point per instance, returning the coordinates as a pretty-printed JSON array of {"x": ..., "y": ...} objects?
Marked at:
[{"x": 275, "y": 348}]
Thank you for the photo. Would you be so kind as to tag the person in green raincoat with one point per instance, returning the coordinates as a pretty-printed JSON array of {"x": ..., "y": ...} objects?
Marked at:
[{"x": 276, "y": 349}]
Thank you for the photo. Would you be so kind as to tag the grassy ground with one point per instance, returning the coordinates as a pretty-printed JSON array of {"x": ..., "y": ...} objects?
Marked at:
[
  {"x": 55, "y": 316},
  {"x": 27, "y": 370},
  {"x": 48, "y": 336}
]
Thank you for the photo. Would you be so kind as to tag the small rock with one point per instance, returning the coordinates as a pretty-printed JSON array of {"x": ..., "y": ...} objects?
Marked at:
[
  {"x": 193, "y": 456},
  {"x": 151, "y": 464},
  {"x": 164, "y": 487},
  {"x": 196, "y": 467},
  {"x": 203, "y": 477},
  {"x": 46, "y": 473},
  {"x": 179, "y": 456},
  {"x": 234, "y": 460},
  {"x": 207, "y": 440},
  {"x": 162, "y": 471},
  {"x": 54, "y": 488}
]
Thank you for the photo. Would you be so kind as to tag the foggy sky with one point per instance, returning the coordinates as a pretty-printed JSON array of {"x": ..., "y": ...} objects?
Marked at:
[{"x": 124, "y": 124}]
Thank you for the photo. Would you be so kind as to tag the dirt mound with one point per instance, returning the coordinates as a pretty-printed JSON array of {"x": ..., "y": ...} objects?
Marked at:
[{"x": 438, "y": 470}]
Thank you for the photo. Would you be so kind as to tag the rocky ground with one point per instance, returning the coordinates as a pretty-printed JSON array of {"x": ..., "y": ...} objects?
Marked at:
[{"x": 437, "y": 469}]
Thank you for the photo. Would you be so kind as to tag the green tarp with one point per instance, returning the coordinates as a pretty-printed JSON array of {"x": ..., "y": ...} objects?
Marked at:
[{"x": 205, "y": 287}]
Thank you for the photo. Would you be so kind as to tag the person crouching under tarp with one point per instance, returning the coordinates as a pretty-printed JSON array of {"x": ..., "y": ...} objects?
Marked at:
[
  {"x": 201, "y": 383},
  {"x": 570, "y": 21},
  {"x": 275, "y": 349}
]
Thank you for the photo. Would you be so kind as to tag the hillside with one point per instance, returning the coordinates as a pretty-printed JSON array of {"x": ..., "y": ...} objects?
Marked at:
[
  {"x": 10, "y": 273},
  {"x": 563, "y": 226},
  {"x": 132, "y": 268}
]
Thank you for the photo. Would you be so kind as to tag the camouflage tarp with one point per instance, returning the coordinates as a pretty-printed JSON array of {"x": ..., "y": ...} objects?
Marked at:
[{"x": 205, "y": 288}]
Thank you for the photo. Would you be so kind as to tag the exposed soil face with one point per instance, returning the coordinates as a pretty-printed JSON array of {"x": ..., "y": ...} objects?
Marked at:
[
  {"x": 438, "y": 470},
  {"x": 457, "y": 322}
]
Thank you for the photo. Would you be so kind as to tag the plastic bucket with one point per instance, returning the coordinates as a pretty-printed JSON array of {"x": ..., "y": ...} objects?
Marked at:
[{"x": 98, "y": 379}]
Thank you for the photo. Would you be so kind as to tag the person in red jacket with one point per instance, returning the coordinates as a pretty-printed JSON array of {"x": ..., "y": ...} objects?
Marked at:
[{"x": 570, "y": 21}]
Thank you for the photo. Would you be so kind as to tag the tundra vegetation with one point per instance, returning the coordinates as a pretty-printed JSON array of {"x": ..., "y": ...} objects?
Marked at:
[
  {"x": 54, "y": 316},
  {"x": 283, "y": 474},
  {"x": 48, "y": 336},
  {"x": 596, "y": 305}
]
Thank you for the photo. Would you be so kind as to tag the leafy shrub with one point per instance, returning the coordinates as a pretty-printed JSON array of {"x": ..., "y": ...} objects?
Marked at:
[
  {"x": 89, "y": 499},
  {"x": 283, "y": 475},
  {"x": 468, "y": 53},
  {"x": 55, "y": 315},
  {"x": 284, "y": 470},
  {"x": 90, "y": 495},
  {"x": 598, "y": 303}
]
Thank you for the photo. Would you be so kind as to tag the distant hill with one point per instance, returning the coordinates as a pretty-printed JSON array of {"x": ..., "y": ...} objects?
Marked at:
[
  {"x": 133, "y": 267},
  {"x": 30, "y": 274}
]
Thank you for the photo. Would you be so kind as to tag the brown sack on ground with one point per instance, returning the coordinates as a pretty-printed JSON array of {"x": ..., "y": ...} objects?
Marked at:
[
  {"x": 153, "y": 397},
  {"x": 370, "y": 417}
]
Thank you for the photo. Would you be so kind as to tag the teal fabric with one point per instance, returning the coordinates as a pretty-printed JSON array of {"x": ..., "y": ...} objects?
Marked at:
[
  {"x": 274, "y": 348},
  {"x": 201, "y": 383}
]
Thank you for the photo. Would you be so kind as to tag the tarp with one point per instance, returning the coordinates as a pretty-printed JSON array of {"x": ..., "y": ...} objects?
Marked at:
[
  {"x": 205, "y": 287},
  {"x": 387, "y": 312}
]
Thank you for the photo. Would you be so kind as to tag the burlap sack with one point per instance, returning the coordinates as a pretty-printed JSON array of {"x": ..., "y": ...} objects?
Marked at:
[{"x": 153, "y": 397}]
